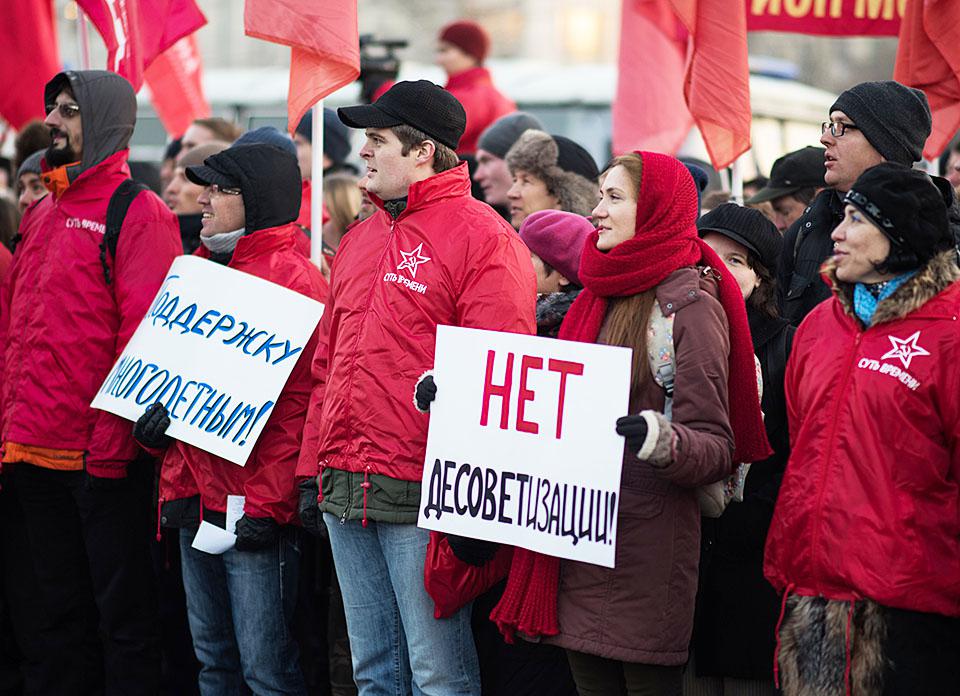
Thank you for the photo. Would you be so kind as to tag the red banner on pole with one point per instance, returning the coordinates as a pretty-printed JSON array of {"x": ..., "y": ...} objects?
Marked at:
[
  {"x": 827, "y": 17},
  {"x": 175, "y": 80},
  {"x": 135, "y": 32},
  {"x": 30, "y": 59}
]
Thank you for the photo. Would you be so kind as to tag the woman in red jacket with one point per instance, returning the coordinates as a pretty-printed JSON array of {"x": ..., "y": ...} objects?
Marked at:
[
  {"x": 627, "y": 629},
  {"x": 865, "y": 539}
]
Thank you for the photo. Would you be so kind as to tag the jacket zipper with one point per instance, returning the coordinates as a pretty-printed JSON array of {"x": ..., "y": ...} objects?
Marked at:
[{"x": 825, "y": 462}]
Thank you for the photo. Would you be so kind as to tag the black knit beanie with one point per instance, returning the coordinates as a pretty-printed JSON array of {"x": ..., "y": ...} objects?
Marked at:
[
  {"x": 894, "y": 118},
  {"x": 746, "y": 226},
  {"x": 908, "y": 208}
]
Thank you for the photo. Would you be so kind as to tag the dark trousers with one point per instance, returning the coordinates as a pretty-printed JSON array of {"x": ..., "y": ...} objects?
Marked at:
[
  {"x": 922, "y": 654},
  {"x": 91, "y": 542},
  {"x": 599, "y": 676}
]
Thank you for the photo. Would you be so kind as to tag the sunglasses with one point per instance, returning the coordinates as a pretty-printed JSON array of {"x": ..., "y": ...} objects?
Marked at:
[
  {"x": 66, "y": 110},
  {"x": 216, "y": 190}
]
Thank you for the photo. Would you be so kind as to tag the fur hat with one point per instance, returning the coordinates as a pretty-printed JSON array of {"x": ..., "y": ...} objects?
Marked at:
[{"x": 570, "y": 175}]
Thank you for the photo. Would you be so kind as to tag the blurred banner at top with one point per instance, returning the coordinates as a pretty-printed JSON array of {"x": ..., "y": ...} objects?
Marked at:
[
  {"x": 176, "y": 86},
  {"x": 324, "y": 42},
  {"x": 928, "y": 58},
  {"x": 135, "y": 32},
  {"x": 682, "y": 62},
  {"x": 30, "y": 59},
  {"x": 827, "y": 17}
]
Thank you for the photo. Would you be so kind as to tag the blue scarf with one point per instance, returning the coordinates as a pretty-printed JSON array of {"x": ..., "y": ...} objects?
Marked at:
[{"x": 865, "y": 302}]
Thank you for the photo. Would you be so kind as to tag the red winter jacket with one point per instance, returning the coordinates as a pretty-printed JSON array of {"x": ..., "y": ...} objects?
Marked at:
[
  {"x": 869, "y": 506},
  {"x": 482, "y": 101},
  {"x": 446, "y": 259},
  {"x": 62, "y": 327},
  {"x": 267, "y": 480}
]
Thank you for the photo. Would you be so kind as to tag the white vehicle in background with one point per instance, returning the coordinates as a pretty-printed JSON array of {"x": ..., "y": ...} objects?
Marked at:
[{"x": 571, "y": 100}]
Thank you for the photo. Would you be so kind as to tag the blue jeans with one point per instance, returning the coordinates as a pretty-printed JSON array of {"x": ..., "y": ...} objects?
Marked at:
[
  {"x": 240, "y": 605},
  {"x": 398, "y": 647}
]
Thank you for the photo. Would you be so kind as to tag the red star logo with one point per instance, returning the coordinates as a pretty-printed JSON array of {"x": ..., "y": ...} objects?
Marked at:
[
  {"x": 906, "y": 349},
  {"x": 412, "y": 260}
]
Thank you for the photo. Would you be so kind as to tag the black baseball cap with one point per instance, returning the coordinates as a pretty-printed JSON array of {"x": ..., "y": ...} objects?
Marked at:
[
  {"x": 748, "y": 227},
  {"x": 794, "y": 171},
  {"x": 421, "y": 104}
]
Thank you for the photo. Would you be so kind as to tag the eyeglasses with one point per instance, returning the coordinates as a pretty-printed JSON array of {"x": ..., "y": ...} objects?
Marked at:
[
  {"x": 837, "y": 128},
  {"x": 66, "y": 109},
  {"x": 216, "y": 189}
]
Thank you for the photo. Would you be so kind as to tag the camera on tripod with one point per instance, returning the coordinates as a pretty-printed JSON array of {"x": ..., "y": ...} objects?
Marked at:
[{"x": 379, "y": 64}]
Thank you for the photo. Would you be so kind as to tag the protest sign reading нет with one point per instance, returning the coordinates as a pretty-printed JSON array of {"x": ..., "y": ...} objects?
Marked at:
[
  {"x": 522, "y": 447},
  {"x": 216, "y": 347}
]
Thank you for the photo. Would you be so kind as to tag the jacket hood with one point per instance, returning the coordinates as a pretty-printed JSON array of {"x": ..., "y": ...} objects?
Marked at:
[
  {"x": 268, "y": 177},
  {"x": 108, "y": 107},
  {"x": 932, "y": 279}
]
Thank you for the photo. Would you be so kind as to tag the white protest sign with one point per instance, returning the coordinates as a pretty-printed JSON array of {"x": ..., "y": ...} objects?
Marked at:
[
  {"x": 215, "y": 348},
  {"x": 522, "y": 447}
]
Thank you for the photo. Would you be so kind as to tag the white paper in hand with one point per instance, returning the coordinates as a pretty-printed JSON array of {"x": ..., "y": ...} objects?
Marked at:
[
  {"x": 234, "y": 511},
  {"x": 211, "y": 539}
]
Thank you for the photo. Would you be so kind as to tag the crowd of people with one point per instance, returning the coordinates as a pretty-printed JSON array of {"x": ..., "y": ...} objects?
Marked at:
[{"x": 789, "y": 508}]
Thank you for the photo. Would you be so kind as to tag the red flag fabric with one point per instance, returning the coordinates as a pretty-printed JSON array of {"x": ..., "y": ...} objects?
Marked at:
[
  {"x": 716, "y": 83},
  {"x": 175, "y": 80},
  {"x": 826, "y": 17},
  {"x": 325, "y": 46},
  {"x": 928, "y": 58},
  {"x": 30, "y": 59},
  {"x": 137, "y": 31}
]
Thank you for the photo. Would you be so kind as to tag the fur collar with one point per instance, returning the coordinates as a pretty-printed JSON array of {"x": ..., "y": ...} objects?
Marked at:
[{"x": 939, "y": 273}]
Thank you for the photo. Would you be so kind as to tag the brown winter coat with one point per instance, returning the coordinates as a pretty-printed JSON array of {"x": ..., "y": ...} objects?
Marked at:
[{"x": 642, "y": 610}]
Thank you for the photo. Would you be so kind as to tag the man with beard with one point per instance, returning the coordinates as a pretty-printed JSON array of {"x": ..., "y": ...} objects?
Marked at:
[{"x": 67, "y": 308}]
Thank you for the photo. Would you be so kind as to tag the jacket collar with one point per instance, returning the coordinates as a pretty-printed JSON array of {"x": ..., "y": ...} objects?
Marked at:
[
  {"x": 939, "y": 273},
  {"x": 96, "y": 183},
  {"x": 453, "y": 183},
  {"x": 258, "y": 244},
  {"x": 468, "y": 77}
]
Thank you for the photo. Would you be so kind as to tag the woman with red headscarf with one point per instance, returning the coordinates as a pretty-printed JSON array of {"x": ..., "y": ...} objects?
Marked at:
[{"x": 626, "y": 630}]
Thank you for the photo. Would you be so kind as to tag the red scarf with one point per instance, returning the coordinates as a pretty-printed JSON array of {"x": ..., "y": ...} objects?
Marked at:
[{"x": 666, "y": 240}]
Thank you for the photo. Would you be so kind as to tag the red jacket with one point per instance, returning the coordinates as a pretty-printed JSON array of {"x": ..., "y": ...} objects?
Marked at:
[
  {"x": 62, "y": 327},
  {"x": 870, "y": 501},
  {"x": 482, "y": 101},
  {"x": 267, "y": 480},
  {"x": 446, "y": 259}
]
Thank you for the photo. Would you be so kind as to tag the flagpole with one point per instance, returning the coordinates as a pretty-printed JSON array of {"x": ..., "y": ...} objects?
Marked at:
[
  {"x": 316, "y": 186},
  {"x": 82, "y": 39},
  {"x": 736, "y": 183}
]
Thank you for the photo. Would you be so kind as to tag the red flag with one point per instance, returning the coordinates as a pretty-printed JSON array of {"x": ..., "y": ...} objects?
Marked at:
[
  {"x": 325, "y": 46},
  {"x": 176, "y": 86},
  {"x": 826, "y": 17},
  {"x": 137, "y": 31},
  {"x": 928, "y": 58},
  {"x": 30, "y": 59},
  {"x": 715, "y": 86}
]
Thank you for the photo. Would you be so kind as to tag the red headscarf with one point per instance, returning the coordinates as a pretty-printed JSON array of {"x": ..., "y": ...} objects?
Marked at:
[{"x": 666, "y": 239}]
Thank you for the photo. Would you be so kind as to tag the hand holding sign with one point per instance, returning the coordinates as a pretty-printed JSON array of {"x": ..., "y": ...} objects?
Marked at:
[{"x": 522, "y": 448}]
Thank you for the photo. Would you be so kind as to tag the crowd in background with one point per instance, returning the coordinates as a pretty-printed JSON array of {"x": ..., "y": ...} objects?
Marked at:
[{"x": 789, "y": 515}]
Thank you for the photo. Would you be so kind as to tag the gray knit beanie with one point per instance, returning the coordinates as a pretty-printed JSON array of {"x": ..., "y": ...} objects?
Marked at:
[
  {"x": 894, "y": 118},
  {"x": 31, "y": 165},
  {"x": 505, "y": 131}
]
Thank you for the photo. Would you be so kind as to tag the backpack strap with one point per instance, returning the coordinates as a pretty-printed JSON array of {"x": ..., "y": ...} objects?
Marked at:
[
  {"x": 117, "y": 209},
  {"x": 661, "y": 355}
]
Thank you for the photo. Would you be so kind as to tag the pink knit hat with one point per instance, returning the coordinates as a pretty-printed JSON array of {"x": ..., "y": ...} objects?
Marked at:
[
  {"x": 557, "y": 238},
  {"x": 469, "y": 37}
]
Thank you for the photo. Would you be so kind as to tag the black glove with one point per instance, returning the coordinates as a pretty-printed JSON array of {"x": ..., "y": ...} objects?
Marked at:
[
  {"x": 256, "y": 533},
  {"x": 475, "y": 552},
  {"x": 151, "y": 429},
  {"x": 634, "y": 430},
  {"x": 426, "y": 393},
  {"x": 309, "y": 510}
]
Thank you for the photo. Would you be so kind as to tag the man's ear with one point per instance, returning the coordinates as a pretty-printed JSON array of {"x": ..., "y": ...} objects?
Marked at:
[
  {"x": 563, "y": 279},
  {"x": 425, "y": 152}
]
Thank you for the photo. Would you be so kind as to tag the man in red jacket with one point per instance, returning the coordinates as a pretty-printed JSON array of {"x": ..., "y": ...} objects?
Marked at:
[
  {"x": 461, "y": 49},
  {"x": 430, "y": 255},
  {"x": 240, "y": 603},
  {"x": 67, "y": 309}
]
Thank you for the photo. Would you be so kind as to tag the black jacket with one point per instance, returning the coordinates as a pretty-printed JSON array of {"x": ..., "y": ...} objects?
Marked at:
[
  {"x": 806, "y": 245},
  {"x": 737, "y": 609}
]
